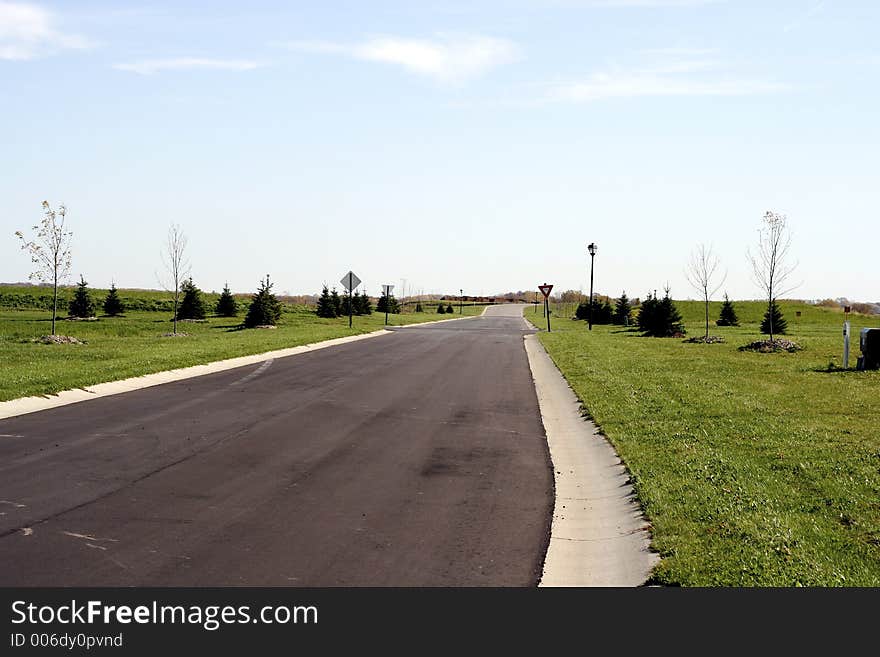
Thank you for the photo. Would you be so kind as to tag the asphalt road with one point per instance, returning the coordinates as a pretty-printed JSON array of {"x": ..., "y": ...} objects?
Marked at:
[{"x": 414, "y": 458}]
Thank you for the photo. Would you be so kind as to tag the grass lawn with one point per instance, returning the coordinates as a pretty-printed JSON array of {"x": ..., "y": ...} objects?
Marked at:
[
  {"x": 754, "y": 469},
  {"x": 121, "y": 347}
]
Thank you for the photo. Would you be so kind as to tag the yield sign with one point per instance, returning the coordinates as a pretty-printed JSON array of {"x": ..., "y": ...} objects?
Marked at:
[
  {"x": 545, "y": 289},
  {"x": 386, "y": 290},
  {"x": 350, "y": 281}
]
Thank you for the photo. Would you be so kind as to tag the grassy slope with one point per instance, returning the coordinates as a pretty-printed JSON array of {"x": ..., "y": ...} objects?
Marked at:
[
  {"x": 122, "y": 347},
  {"x": 754, "y": 469}
]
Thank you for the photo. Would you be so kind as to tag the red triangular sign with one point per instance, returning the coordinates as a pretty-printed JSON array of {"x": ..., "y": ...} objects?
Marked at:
[{"x": 545, "y": 289}]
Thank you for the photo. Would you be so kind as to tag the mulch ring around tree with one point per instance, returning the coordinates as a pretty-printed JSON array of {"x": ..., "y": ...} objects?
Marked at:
[
  {"x": 712, "y": 339},
  {"x": 58, "y": 339},
  {"x": 772, "y": 346}
]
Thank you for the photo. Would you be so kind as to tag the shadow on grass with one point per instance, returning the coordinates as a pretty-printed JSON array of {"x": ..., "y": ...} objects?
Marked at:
[{"x": 831, "y": 368}]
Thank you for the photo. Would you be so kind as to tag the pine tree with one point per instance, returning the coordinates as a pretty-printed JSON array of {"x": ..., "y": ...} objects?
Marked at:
[
  {"x": 362, "y": 305},
  {"x": 81, "y": 305},
  {"x": 325, "y": 304},
  {"x": 774, "y": 314},
  {"x": 622, "y": 310},
  {"x": 441, "y": 309},
  {"x": 191, "y": 306},
  {"x": 728, "y": 314},
  {"x": 336, "y": 302},
  {"x": 647, "y": 312},
  {"x": 582, "y": 311},
  {"x": 389, "y": 304},
  {"x": 265, "y": 309},
  {"x": 449, "y": 309},
  {"x": 603, "y": 313},
  {"x": 659, "y": 318},
  {"x": 346, "y": 302},
  {"x": 113, "y": 304},
  {"x": 226, "y": 304},
  {"x": 419, "y": 307},
  {"x": 670, "y": 319}
]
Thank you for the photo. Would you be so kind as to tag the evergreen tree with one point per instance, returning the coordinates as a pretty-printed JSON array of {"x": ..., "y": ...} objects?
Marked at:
[
  {"x": 774, "y": 314},
  {"x": 346, "y": 305},
  {"x": 728, "y": 314},
  {"x": 113, "y": 304},
  {"x": 647, "y": 314},
  {"x": 362, "y": 304},
  {"x": 441, "y": 309},
  {"x": 265, "y": 309},
  {"x": 603, "y": 313},
  {"x": 325, "y": 305},
  {"x": 582, "y": 311},
  {"x": 670, "y": 319},
  {"x": 419, "y": 307},
  {"x": 622, "y": 310},
  {"x": 388, "y": 304},
  {"x": 336, "y": 302},
  {"x": 81, "y": 305},
  {"x": 191, "y": 306},
  {"x": 449, "y": 309},
  {"x": 226, "y": 304},
  {"x": 660, "y": 318}
]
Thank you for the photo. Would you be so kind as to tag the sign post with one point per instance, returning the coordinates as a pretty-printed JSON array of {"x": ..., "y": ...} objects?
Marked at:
[
  {"x": 350, "y": 281},
  {"x": 545, "y": 290},
  {"x": 386, "y": 291},
  {"x": 846, "y": 331}
]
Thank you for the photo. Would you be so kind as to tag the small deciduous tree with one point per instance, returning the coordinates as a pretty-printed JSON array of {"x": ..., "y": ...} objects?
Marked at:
[
  {"x": 50, "y": 251},
  {"x": 226, "y": 303},
  {"x": 771, "y": 267},
  {"x": 81, "y": 305},
  {"x": 702, "y": 273},
  {"x": 113, "y": 305},
  {"x": 265, "y": 309},
  {"x": 176, "y": 265}
]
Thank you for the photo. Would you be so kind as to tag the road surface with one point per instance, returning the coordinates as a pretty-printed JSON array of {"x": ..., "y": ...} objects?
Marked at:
[{"x": 414, "y": 458}]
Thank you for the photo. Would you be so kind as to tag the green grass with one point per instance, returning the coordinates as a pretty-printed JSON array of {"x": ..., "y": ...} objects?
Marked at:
[
  {"x": 753, "y": 469},
  {"x": 121, "y": 347}
]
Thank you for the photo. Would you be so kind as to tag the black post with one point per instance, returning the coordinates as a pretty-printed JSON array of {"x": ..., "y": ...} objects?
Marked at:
[
  {"x": 547, "y": 304},
  {"x": 592, "y": 258},
  {"x": 350, "y": 304},
  {"x": 460, "y": 301},
  {"x": 386, "y": 306},
  {"x": 536, "y": 303}
]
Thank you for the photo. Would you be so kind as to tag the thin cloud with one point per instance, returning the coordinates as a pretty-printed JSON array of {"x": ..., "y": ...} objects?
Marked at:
[
  {"x": 815, "y": 8},
  {"x": 28, "y": 31},
  {"x": 686, "y": 77},
  {"x": 444, "y": 58},
  {"x": 153, "y": 66},
  {"x": 602, "y": 86}
]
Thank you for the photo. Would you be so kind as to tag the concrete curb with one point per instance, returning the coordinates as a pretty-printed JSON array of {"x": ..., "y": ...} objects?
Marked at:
[
  {"x": 25, "y": 405},
  {"x": 599, "y": 536}
]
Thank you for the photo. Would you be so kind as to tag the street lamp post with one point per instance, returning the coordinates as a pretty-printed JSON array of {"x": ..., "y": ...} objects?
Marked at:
[
  {"x": 461, "y": 301},
  {"x": 592, "y": 248}
]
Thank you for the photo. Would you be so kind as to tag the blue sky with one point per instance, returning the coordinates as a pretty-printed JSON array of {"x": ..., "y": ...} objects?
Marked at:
[{"x": 475, "y": 145}]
